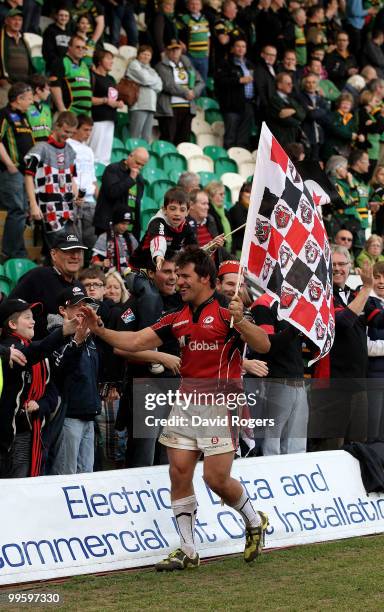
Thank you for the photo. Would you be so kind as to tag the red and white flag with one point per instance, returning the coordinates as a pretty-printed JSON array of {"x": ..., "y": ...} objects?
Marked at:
[{"x": 286, "y": 249}]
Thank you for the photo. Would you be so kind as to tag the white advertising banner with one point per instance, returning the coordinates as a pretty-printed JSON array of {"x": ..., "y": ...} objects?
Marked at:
[{"x": 86, "y": 523}]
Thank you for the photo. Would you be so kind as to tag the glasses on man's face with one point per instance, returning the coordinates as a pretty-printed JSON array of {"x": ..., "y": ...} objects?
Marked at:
[
  {"x": 81, "y": 47},
  {"x": 340, "y": 264},
  {"x": 345, "y": 239},
  {"x": 93, "y": 285}
]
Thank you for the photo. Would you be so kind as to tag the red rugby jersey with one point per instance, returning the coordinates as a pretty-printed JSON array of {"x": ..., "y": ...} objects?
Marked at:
[{"x": 209, "y": 347}]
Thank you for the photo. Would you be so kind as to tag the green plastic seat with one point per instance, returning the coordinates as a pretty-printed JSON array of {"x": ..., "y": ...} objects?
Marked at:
[
  {"x": 99, "y": 169},
  {"x": 207, "y": 103},
  {"x": 153, "y": 174},
  {"x": 225, "y": 165},
  {"x": 6, "y": 285},
  {"x": 213, "y": 114},
  {"x": 173, "y": 161},
  {"x": 39, "y": 64},
  {"x": 174, "y": 175},
  {"x": 118, "y": 155},
  {"x": 124, "y": 133},
  {"x": 16, "y": 268},
  {"x": 148, "y": 203},
  {"x": 215, "y": 152},
  {"x": 154, "y": 161},
  {"x": 210, "y": 84},
  {"x": 145, "y": 217},
  {"x": 158, "y": 189},
  {"x": 207, "y": 177},
  {"x": 133, "y": 143},
  {"x": 121, "y": 126},
  {"x": 117, "y": 144},
  {"x": 162, "y": 147},
  {"x": 227, "y": 198}
]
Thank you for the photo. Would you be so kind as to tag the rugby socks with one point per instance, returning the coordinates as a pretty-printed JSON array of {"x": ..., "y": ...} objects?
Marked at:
[
  {"x": 185, "y": 510},
  {"x": 244, "y": 507}
]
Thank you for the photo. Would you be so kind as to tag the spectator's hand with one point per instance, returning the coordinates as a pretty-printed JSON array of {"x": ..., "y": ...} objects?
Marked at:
[
  {"x": 16, "y": 356},
  {"x": 31, "y": 406},
  {"x": 159, "y": 262},
  {"x": 366, "y": 275},
  {"x": 134, "y": 172},
  {"x": 120, "y": 104},
  {"x": 36, "y": 213},
  {"x": 12, "y": 169},
  {"x": 223, "y": 39},
  {"x": 372, "y": 11},
  {"x": 236, "y": 309},
  {"x": 245, "y": 79},
  {"x": 374, "y": 206},
  {"x": 320, "y": 92},
  {"x": 218, "y": 241},
  {"x": 350, "y": 179},
  {"x": 352, "y": 71},
  {"x": 361, "y": 137},
  {"x": 286, "y": 112},
  {"x": 90, "y": 319},
  {"x": 170, "y": 362},
  {"x": 255, "y": 367},
  {"x": 190, "y": 94},
  {"x": 70, "y": 325},
  {"x": 82, "y": 332},
  {"x": 369, "y": 122}
]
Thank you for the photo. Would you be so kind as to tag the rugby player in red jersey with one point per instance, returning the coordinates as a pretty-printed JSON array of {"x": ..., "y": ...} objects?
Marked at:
[{"x": 212, "y": 350}]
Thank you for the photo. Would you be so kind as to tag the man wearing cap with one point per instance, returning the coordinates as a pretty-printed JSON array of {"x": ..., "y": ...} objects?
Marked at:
[
  {"x": 114, "y": 247},
  {"x": 15, "y": 141},
  {"x": 76, "y": 375},
  {"x": 44, "y": 284},
  {"x": 15, "y": 58},
  {"x": 182, "y": 85},
  {"x": 121, "y": 186}
]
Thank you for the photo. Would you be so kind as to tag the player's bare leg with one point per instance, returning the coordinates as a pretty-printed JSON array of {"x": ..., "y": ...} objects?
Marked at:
[
  {"x": 217, "y": 475},
  {"x": 182, "y": 465}
]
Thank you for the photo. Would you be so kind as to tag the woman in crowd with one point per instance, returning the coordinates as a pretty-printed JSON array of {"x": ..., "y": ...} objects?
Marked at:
[
  {"x": 342, "y": 128},
  {"x": 371, "y": 124},
  {"x": 115, "y": 288},
  {"x": 216, "y": 192},
  {"x": 143, "y": 111},
  {"x": 104, "y": 106},
  {"x": 372, "y": 251},
  {"x": 83, "y": 28},
  {"x": 346, "y": 216}
]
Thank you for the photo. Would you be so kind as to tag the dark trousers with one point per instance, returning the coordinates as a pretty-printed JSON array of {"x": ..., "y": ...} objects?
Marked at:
[
  {"x": 176, "y": 129},
  {"x": 238, "y": 127}
]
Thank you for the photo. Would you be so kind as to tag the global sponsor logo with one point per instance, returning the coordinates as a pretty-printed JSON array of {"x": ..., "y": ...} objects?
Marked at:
[{"x": 194, "y": 345}]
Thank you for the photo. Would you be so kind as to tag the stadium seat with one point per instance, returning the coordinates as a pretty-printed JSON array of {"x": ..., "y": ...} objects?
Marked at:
[
  {"x": 111, "y": 48},
  {"x": 39, "y": 64},
  {"x": 173, "y": 161},
  {"x": 207, "y": 177},
  {"x": 99, "y": 169},
  {"x": 154, "y": 161},
  {"x": 200, "y": 163},
  {"x": 119, "y": 68},
  {"x": 44, "y": 22},
  {"x": 227, "y": 198},
  {"x": 6, "y": 285},
  {"x": 205, "y": 140},
  {"x": 16, "y": 268},
  {"x": 32, "y": 40},
  {"x": 254, "y": 154},
  {"x": 212, "y": 114},
  {"x": 207, "y": 103},
  {"x": 117, "y": 155},
  {"x": 148, "y": 204},
  {"x": 200, "y": 126},
  {"x": 225, "y": 165},
  {"x": 240, "y": 155},
  {"x": 174, "y": 175},
  {"x": 127, "y": 52},
  {"x": 153, "y": 174},
  {"x": 233, "y": 181},
  {"x": 145, "y": 217},
  {"x": 215, "y": 152},
  {"x": 189, "y": 149},
  {"x": 158, "y": 189},
  {"x": 247, "y": 169},
  {"x": 133, "y": 143},
  {"x": 122, "y": 121},
  {"x": 162, "y": 147},
  {"x": 218, "y": 128},
  {"x": 117, "y": 144}
]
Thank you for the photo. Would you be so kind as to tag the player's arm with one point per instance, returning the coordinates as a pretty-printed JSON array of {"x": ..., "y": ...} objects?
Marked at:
[
  {"x": 255, "y": 337},
  {"x": 142, "y": 340}
]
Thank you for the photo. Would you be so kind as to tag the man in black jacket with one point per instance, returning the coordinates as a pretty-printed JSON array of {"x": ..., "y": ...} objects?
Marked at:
[
  {"x": 285, "y": 113},
  {"x": 265, "y": 76},
  {"x": 234, "y": 80},
  {"x": 121, "y": 186},
  {"x": 316, "y": 110},
  {"x": 340, "y": 63}
]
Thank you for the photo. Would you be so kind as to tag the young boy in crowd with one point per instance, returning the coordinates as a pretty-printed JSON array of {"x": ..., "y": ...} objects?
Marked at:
[
  {"x": 39, "y": 113},
  {"x": 77, "y": 365},
  {"x": 29, "y": 396},
  {"x": 114, "y": 247},
  {"x": 168, "y": 229}
]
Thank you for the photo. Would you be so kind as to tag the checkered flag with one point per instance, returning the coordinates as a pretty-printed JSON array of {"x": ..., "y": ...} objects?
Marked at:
[{"x": 285, "y": 247}]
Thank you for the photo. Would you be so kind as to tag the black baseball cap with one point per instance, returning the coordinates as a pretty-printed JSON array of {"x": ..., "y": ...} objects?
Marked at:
[
  {"x": 9, "y": 306},
  {"x": 122, "y": 215},
  {"x": 68, "y": 242},
  {"x": 72, "y": 296}
]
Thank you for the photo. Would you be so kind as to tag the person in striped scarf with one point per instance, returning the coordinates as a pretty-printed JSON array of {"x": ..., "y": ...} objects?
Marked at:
[{"x": 29, "y": 395}]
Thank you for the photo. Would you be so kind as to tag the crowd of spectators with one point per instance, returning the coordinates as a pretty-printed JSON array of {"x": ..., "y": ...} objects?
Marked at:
[{"x": 314, "y": 73}]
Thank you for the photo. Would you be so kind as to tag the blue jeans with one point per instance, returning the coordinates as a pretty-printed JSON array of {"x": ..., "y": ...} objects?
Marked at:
[
  {"x": 123, "y": 16},
  {"x": 76, "y": 452},
  {"x": 201, "y": 64},
  {"x": 13, "y": 198}
]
